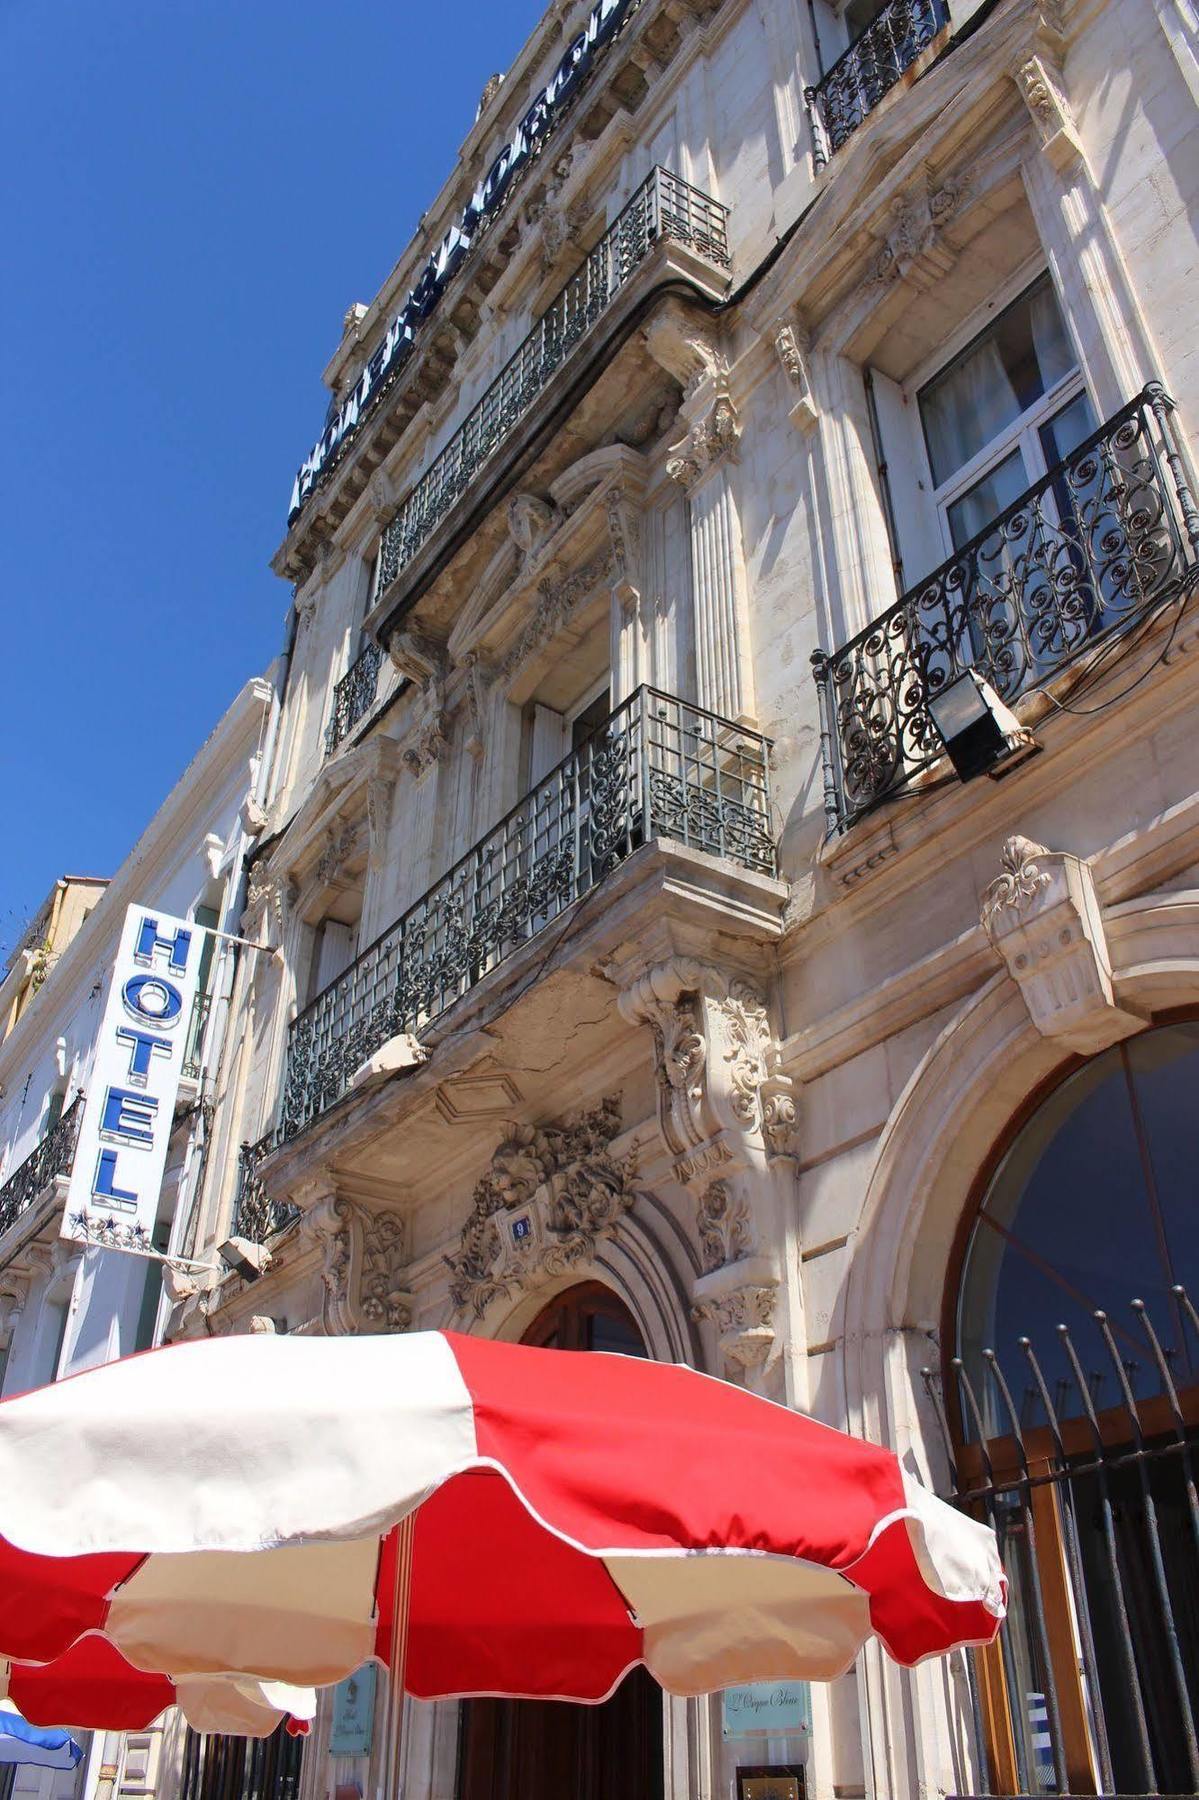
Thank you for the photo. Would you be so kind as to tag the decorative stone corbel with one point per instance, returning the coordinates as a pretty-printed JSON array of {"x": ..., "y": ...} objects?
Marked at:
[
  {"x": 743, "y": 1319},
  {"x": 423, "y": 660},
  {"x": 478, "y": 679},
  {"x": 709, "y": 441},
  {"x": 624, "y": 534},
  {"x": 722, "y": 1095},
  {"x": 1037, "y": 80},
  {"x": 792, "y": 343},
  {"x": 381, "y": 498},
  {"x": 365, "y": 1257},
  {"x": 1043, "y": 917},
  {"x": 681, "y": 342}
]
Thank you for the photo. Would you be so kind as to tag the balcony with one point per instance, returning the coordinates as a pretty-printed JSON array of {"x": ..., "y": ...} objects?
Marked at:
[
  {"x": 53, "y": 1156},
  {"x": 255, "y": 1215},
  {"x": 875, "y": 61},
  {"x": 1093, "y": 550},
  {"x": 353, "y": 696},
  {"x": 657, "y": 768},
  {"x": 663, "y": 208}
]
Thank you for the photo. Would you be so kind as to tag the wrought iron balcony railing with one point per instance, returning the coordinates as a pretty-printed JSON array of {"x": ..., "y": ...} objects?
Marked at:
[
  {"x": 53, "y": 1156},
  {"x": 658, "y": 767},
  {"x": 255, "y": 1215},
  {"x": 663, "y": 207},
  {"x": 1105, "y": 538},
  {"x": 353, "y": 696},
  {"x": 868, "y": 70}
]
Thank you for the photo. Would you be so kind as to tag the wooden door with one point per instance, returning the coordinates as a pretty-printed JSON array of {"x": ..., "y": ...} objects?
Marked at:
[{"x": 550, "y": 1749}]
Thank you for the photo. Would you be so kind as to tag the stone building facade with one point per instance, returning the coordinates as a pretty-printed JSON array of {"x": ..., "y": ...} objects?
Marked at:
[{"x": 650, "y": 974}]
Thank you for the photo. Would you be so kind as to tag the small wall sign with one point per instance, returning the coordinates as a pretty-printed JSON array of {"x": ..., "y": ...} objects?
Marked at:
[
  {"x": 779, "y": 1782},
  {"x": 353, "y": 1713},
  {"x": 768, "y": 1709}
]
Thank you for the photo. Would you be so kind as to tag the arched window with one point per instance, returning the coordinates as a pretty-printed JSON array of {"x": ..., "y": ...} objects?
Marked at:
[
  {"x": 547, "y": 1749},
  {"x": 1072, "y": 1403}
]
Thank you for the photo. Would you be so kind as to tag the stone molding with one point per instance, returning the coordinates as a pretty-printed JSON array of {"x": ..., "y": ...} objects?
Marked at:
[
  {"x": 1043, "y": 917},
  {"x": 549, "y": 1196},
  {"x": 682, "y": 342}
]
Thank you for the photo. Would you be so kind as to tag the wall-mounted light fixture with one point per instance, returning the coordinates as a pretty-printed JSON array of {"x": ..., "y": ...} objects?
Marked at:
[{"x": 981, "y": 735}]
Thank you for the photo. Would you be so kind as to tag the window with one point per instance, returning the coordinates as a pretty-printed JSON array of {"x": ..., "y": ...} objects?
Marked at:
[
  {"x": 1008, "y": 408},
  {"x": 335, "y": 945},
  {"x": 1081, "y": 1464}
]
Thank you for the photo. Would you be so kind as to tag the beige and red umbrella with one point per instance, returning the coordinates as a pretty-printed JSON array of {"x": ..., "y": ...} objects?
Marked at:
[{"x": 222, "y": 1524}]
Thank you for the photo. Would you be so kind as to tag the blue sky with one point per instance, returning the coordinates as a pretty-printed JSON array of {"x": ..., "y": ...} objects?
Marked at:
[{"x": 196, "y": 192}]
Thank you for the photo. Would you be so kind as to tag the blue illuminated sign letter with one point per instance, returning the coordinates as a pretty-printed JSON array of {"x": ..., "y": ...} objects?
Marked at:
[
  {"x": 150, "y": 939},
  {"x": 153, "y": 998},
  {"x": 104, "y": 1188}
]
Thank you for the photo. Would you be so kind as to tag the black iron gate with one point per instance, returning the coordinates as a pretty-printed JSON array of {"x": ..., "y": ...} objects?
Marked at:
[{"x": 1082, "y": 1458}]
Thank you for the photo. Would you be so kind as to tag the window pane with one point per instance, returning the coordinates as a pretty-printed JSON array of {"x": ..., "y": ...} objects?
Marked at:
[
  {"x": 1067, "y": 430},
  {"x": 1004, "y": 372},
  {"x": 984, "y": 502}
]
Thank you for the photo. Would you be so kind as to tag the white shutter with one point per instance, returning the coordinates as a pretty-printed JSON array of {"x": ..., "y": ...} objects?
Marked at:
[
  {"x": 335, "y": 952},
  {"x": 551, "y": 742}
]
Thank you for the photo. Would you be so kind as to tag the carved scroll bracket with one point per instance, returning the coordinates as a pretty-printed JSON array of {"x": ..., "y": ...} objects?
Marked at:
[
  {"x": 1043, "y": 917},
  {"x": 364, "y": 1255},
  {"x": 724, "y": 1102}
]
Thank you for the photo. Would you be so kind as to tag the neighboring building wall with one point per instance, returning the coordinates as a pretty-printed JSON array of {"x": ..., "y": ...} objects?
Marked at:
[{"x": 67, "y": 1310}]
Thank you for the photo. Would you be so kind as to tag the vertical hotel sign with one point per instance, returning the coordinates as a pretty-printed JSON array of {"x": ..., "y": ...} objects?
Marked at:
[{"x": 122, "y": 1147}]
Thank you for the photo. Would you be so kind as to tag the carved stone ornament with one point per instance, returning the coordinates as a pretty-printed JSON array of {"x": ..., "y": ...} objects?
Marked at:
[
  {"x": 791, "y": 344},
  {"x": 722, "y": 1093},
  {"x": 474, "y": 691},
  {"x": 531, "y": 523},
  {"x": 1021, "y": 881},
  {"x": 624, "y": 534},
  {"x": 1049, "y": 110},
  {"x": 912, "y": 249},
  {"x": 340, "y": 843},
  {"x": 707, "y": 443},
  {"x": 551, "y": 1194},
  {"x": 682, "y": 343},
  {"x": 556, "y": 600},
  {"x": 423, "y": 661},
  {"x": 744, "y": 1322},
  {"x": 724, "y": 1229},
  {"x": 1043, "y": 917},
  {"x": 365, "y": 1255},
  {"x": 381, "y": 497},
  {"x": 264, "y": 897}
]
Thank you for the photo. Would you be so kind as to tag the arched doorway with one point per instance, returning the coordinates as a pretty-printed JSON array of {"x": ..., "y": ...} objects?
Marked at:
[
  {"x": 1073, "y": 1411},
  {"x": 547, "y": 1749}
]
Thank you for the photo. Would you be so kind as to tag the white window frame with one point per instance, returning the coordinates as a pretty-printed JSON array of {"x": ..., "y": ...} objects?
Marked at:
[{"x": 1023, "y": 433}]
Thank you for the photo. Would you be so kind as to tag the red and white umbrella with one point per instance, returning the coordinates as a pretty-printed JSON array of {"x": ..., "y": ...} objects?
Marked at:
[{"x": 207, "y": 1522}]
